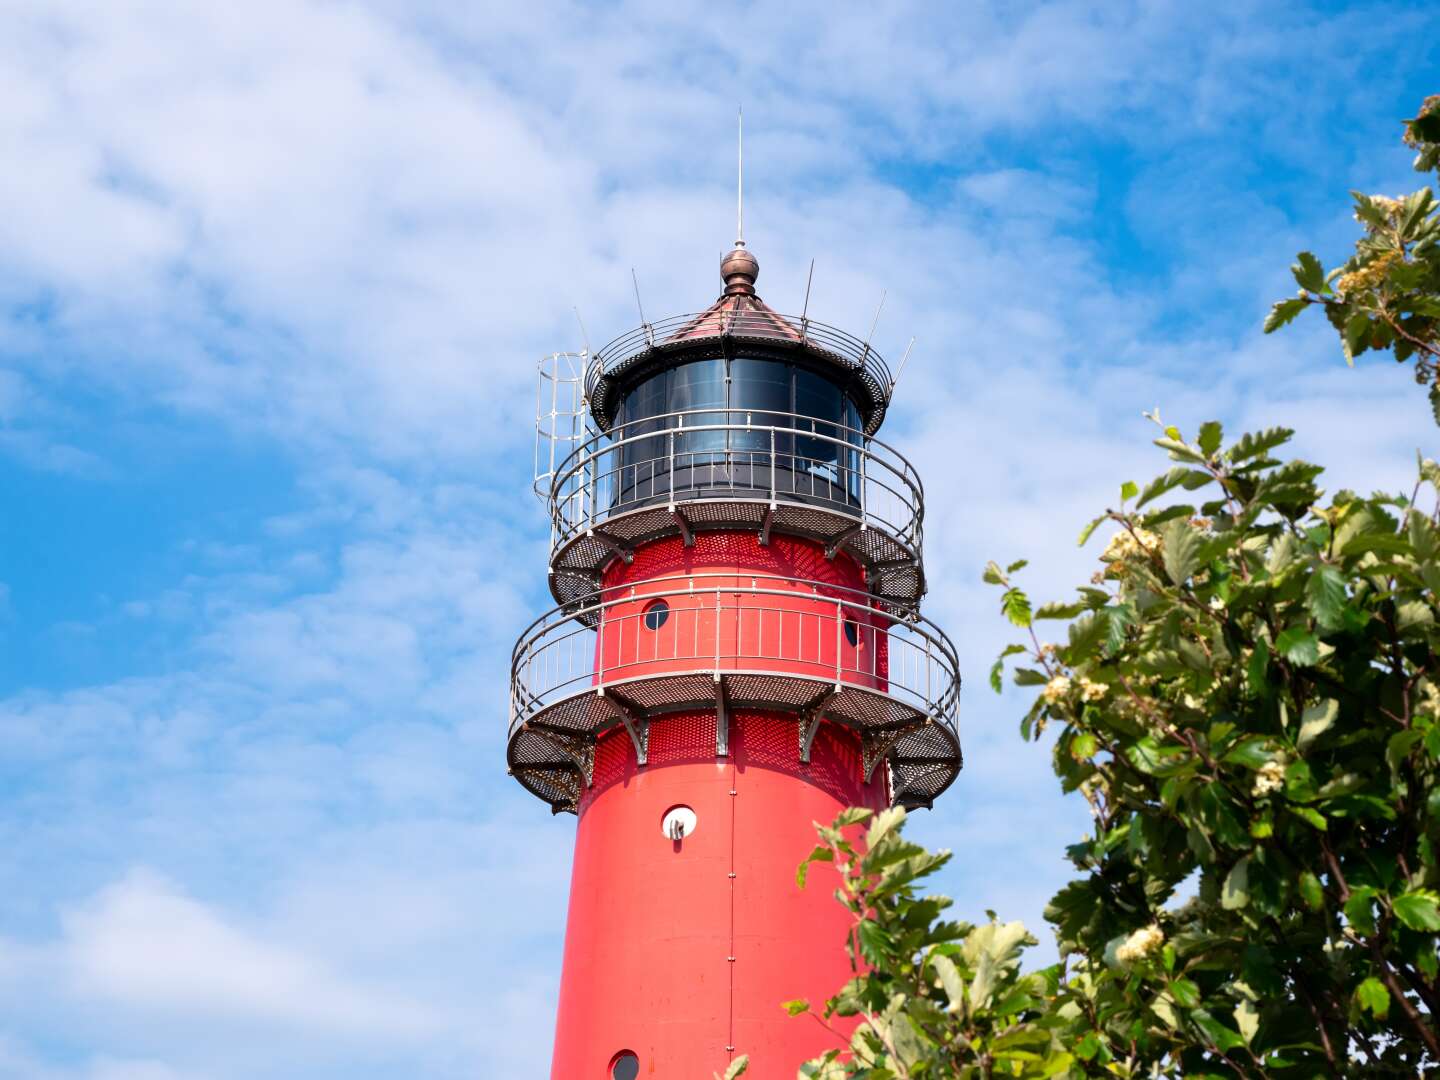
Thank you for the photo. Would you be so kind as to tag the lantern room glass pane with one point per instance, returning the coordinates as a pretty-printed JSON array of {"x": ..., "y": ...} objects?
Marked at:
[
  {"x": 760, "y": 393},
  {"x": 693, "y": 386},
  {"x": 818, "y": 398}
]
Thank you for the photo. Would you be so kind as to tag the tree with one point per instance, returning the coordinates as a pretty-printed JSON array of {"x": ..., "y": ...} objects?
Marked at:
[
  {"x": 1387, "y": 296},
  {"x": 1247, "y": 696}
]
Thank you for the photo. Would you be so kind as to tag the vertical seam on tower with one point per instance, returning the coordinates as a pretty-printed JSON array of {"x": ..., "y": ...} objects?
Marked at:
[{"x": 730, "y": 1039}]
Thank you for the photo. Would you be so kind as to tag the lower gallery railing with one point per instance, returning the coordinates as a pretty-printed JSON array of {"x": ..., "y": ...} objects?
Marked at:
[{"x": 727, "y": 623}]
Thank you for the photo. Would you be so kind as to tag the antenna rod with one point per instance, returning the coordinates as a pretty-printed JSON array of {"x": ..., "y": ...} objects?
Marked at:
[
  {"x": 808, "y": 279},
  {"x": 585, "y": 337},
  {"x": 876, "y": 323},
  {"x": 638, "y": 306},
  {"x": 901, "y": 369},
  {"x": 740, "y": 177}
]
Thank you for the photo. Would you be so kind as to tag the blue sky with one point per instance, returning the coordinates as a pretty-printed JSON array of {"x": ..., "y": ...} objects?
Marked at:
[{"x": 273, "y": 280}]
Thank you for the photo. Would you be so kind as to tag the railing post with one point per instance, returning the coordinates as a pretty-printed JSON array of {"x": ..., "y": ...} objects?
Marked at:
[
  {"x": 929, "y": 695},
  {"x": 839, "y": 637},
  {"x": 863, "y": 456},
  {"x": 588, "y": 484},
  {"x": 773, "y": 469},
  {"x": 717, "y": 633},
  {"x": 670, "y": 462}
]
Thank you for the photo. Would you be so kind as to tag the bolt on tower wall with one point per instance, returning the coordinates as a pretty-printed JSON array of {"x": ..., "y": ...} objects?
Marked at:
[{"x": 737, "y": 653}]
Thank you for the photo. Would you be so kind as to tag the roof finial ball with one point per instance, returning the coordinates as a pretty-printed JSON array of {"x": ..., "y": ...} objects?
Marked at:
[{"x": 739, "y": 269}]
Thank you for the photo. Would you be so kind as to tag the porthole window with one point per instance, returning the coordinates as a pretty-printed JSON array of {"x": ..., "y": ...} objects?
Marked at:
[
  {"x": 626, "y": 1066},
  {"x": 852, "y": 632},
  {"x": 656, "y": 612}
]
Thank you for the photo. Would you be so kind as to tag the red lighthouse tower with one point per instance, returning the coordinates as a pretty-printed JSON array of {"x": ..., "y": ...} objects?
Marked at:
[{"x": 737, "y": 653}]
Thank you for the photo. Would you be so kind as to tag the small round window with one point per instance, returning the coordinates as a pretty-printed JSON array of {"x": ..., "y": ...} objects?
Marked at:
[
  {"x": 852, "y": 632},
  {"x": 656, "y": 612},
  {"x": 626, "y": 1066}
]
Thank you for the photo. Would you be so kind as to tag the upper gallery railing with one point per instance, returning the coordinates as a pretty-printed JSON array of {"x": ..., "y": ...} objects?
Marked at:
[{"x": 729, "y": 453}]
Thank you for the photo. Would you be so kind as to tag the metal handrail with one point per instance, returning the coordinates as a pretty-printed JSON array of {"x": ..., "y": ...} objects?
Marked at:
[
  {"x": 680, "y": 331},
  {"x": 718, "y": 623},
  {"x": 860, "y": 477}
]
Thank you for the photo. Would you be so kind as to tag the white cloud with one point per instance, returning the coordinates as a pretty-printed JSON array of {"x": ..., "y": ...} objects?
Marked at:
[{"x": 142, "y": 944}]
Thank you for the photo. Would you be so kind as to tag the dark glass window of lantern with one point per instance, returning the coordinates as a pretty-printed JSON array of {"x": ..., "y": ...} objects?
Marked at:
[
  {"x": 625, "y": 1067},
  {"x": 664, "y": 454},
  {"x": 760, "y": 392},
  {"x": 656, "y": 612},
  {"x": 817, "y": 397},
  {"x": 852, "y": 632},
  {"x": 696, "y": 386}
]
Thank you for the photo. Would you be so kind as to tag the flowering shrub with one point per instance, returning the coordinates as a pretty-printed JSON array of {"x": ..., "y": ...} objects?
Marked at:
[
  {"x": 1248, "y": 698},
  {"x": 1387, "y": 296}
]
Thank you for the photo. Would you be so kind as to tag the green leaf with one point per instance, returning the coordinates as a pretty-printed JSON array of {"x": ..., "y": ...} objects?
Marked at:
[
  {"x": 1128, "y": 490},
  {"x": 1299, "y": 646},
  {"x": 1179, "y": 451},
  {"x": 820, "y": 854},
  {"x": 1284, "y": 311},
  {"x": 1359, "y": 909},
  {"x": 1180, "y": 476},
  {"x": 1325, "y": 596},
  {"x": 1181, "y": 550},
  {"x": 1316, "y": 720},
  {"x": 1211, "y": 435},
  {"x": 1185, "y": 993},
  {"x": 1356, "y": 336},
  {"x": 1311, "y": 892},
  {"x": 1016, "y": 606},
  {"x": 796, "y": 1007},
  {"x": 1309, "y": 274},
  {"x": 1018, "y": 564},
  {"x": 951, "y": 980},
  {"x": 1372, "y": 996},
  {"x": 1219, "y": 1034},
  {"x": 1247, "y": 1019},
  {"x": 993, "y": 575},
  {"x": 1252, "y": 753},
  {"x": 1418, "y": 909},
  {"x": 1089, "y": 529},
  {"x": 1258, "y": 665},
  {"x": 737, "y": 1067},
  {"x": 1255, "y": 444},
  {"x": 1235, "y": 893},
  {"x": 1057, "y": 610}
]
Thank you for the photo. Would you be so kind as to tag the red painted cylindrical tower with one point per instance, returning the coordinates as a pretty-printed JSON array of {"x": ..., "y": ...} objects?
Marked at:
[{"x": 738, "y": 653}]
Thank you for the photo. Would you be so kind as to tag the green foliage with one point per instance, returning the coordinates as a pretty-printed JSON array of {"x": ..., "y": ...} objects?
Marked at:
[
  {"x": 1386, "y": 297},
  {"x": 932, "y": 998},
  {"x": 1263, "y": 740},
  {"x": 1248, "y": 697}
]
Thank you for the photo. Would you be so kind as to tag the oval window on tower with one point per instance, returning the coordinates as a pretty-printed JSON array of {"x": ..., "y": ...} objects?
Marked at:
[
  {"x": 852, "y": 632},
  {"x": 626, "y": 1066},
  {"x": 656, "y": 612}
]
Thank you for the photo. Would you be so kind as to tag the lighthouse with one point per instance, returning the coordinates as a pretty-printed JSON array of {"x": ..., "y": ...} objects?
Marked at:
[{"x": 737, "y": 652}]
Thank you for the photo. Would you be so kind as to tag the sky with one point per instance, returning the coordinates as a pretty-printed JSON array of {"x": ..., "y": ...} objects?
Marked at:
[{"x": 274, "y": 278}]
